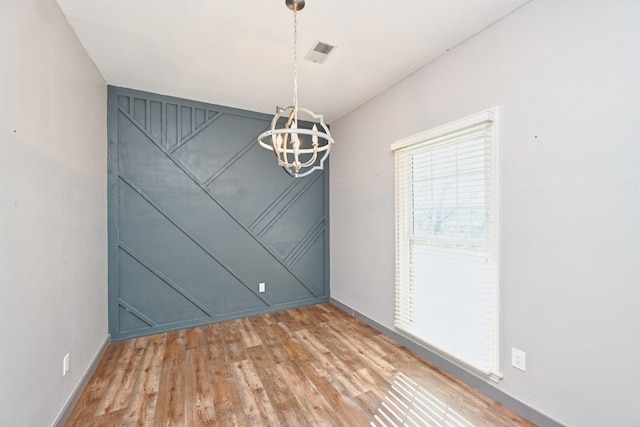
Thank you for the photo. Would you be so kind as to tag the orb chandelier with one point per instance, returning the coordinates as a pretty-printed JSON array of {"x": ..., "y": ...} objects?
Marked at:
[{"x": 299, "y": 150}]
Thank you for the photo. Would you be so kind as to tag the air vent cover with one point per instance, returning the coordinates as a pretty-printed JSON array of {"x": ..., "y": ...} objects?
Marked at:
[{"x": 319, "y": 52}]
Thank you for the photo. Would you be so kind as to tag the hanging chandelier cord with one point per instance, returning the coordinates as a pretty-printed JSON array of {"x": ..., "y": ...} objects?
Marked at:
[{"x": 295, "y": 56}]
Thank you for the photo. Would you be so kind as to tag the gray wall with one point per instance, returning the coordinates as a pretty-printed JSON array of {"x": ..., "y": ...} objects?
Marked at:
[
  {"x": 53, "y": 237},
  {"x": 200, "y": 214},
  {"x": 565, "y": 75}
]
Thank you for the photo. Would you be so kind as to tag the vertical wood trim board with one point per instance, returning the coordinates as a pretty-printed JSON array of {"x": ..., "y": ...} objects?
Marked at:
[{"x": 199, "y": 215}]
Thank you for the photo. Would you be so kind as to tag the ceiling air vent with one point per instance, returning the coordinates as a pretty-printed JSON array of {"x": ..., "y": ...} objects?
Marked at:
[{"x": 319, "y": 52}]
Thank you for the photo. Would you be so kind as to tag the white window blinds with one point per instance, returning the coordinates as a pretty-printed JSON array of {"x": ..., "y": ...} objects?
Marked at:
[{"x": 446, "y": 234}]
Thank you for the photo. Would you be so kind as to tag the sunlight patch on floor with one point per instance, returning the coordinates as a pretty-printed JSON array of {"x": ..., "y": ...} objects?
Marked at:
[{"x": 409, "y": 404}]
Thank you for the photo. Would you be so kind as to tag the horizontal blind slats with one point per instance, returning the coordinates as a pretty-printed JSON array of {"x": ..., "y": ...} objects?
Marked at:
[{"x": 444, "y": 264}]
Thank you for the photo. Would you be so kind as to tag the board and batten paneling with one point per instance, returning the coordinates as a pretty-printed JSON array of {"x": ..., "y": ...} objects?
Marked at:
[{"x": 200, "y": 215}]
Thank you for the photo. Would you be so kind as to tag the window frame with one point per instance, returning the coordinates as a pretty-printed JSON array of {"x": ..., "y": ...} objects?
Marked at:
[{"x": 492, "y": 115}]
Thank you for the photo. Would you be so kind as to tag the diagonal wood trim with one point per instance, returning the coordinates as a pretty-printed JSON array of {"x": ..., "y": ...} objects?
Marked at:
[
  {"x": 193, "y": 178},
  {"x": 137, "y": 313},
  {"x": 286, "y": 207},
  {"x": 168, "y": 123},
  {"x": 165, "y": 214},
  {"x": 141, "y": 128},
  {"x": 196, "y": 131},
  {"x": 231, "y": 161},
  {"x": 163, "y": 143},
  {"x": 276, "y": 202},
  {"x": 266, "y": 247},
  {"x": 305, "y": 243},
  {"x": 140, "y": 259}
]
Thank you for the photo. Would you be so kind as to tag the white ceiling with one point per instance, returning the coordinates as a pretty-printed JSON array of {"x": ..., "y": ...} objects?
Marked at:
[{"x": 240, "y": 53}]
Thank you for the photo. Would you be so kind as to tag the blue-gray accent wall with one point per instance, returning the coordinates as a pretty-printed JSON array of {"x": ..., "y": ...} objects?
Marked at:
[{"x": 199, "y": 215}]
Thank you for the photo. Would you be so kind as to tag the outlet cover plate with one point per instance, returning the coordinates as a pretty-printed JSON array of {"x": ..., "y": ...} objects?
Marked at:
[
  {"x": 518, "y": 359},
  {"x": 65, "y": 364}
]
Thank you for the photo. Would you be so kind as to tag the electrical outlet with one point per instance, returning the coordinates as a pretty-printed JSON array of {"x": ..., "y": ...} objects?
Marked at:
[
  {"x": 261, "y": 287},
  {"x": 518, "y": 358},
  {"x": 65, "y": 365}
]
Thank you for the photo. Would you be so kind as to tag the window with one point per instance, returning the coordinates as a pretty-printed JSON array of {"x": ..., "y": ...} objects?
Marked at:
[{"x": 446, "y": 240}]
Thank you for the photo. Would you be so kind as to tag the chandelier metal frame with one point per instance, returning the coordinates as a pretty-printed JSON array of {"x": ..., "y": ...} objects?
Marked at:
[{"x": 299, "y": 151}]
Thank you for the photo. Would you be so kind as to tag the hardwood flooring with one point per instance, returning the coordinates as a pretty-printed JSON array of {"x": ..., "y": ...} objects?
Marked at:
[{"x": 313, "y": 366}]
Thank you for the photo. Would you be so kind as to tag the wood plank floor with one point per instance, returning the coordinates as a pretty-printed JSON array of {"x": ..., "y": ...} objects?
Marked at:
[{"x": 313, "y": 366}]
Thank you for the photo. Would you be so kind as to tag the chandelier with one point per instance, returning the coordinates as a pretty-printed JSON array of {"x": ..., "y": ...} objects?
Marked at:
[{"x": 299, "y": 150}]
